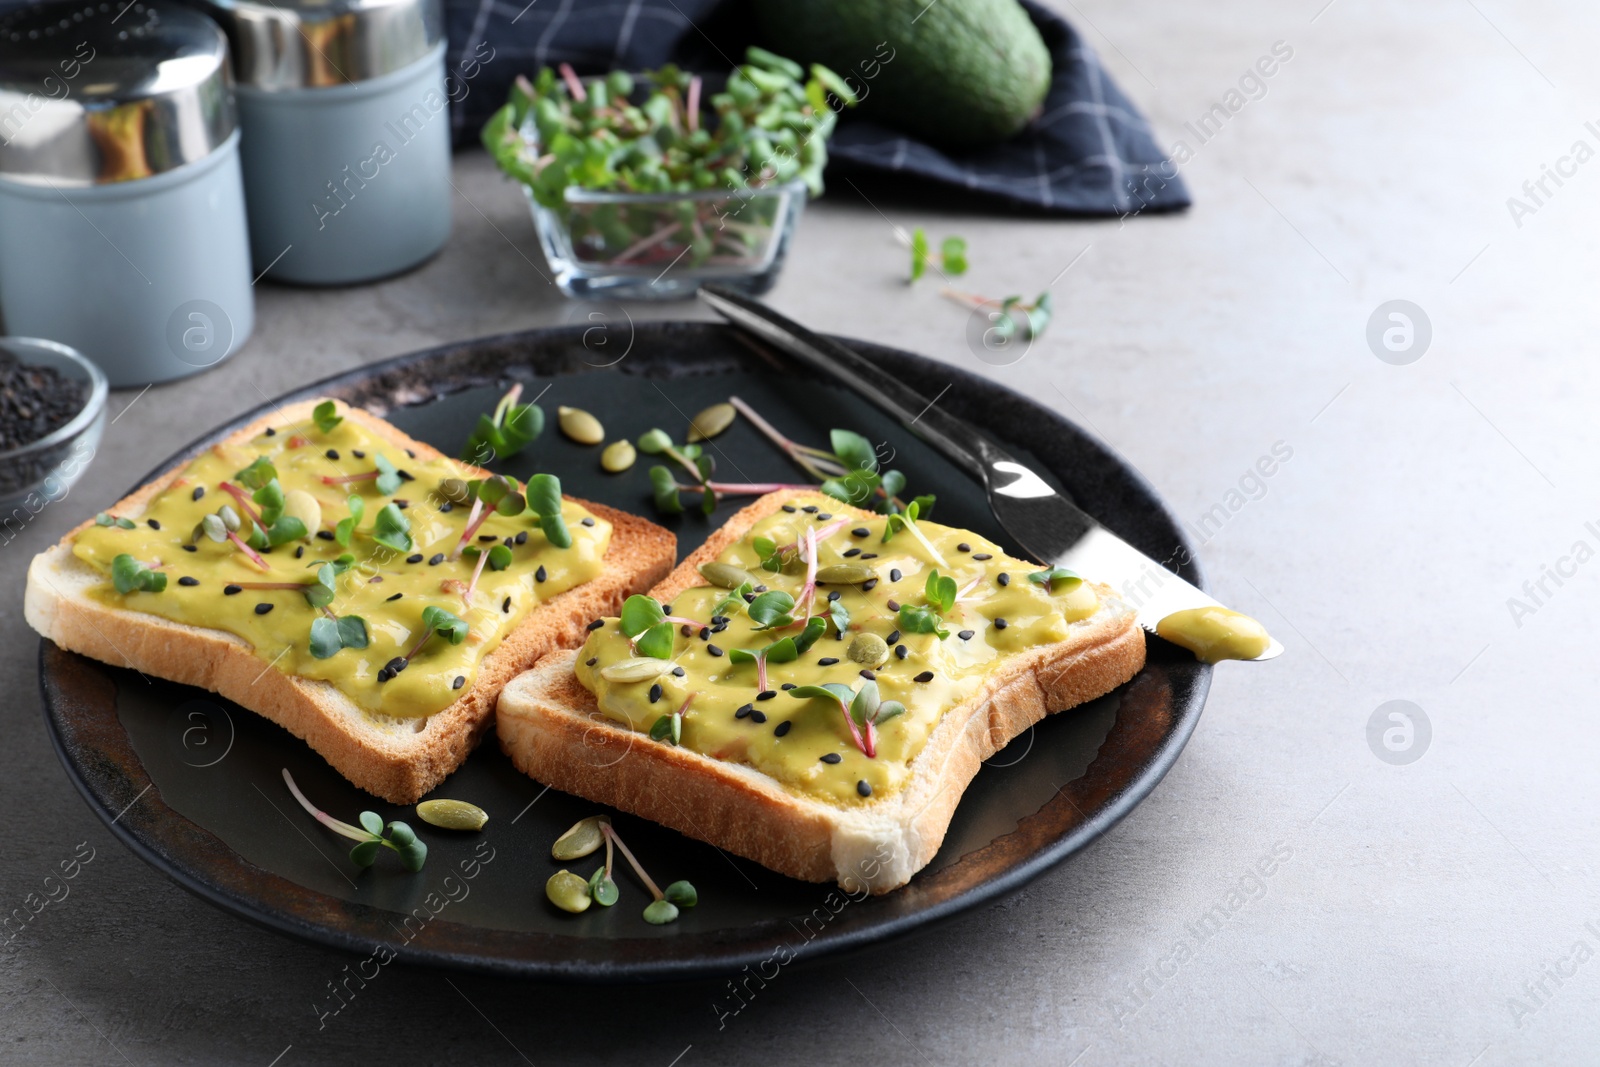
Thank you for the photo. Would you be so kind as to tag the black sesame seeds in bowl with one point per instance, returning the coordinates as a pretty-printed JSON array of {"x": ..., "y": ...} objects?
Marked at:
[{"x": 52, "y": 412}]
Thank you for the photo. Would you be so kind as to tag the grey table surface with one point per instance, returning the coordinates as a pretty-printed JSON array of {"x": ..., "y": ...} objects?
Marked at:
[{"x": 1437, "y": 911}]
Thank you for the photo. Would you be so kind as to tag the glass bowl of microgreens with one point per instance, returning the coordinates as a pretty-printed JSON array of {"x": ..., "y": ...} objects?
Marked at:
[{"x": 646, "y": 186}]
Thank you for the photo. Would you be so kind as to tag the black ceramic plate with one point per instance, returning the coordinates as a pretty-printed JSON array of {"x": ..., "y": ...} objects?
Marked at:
[{"x": 192, "y": 784}]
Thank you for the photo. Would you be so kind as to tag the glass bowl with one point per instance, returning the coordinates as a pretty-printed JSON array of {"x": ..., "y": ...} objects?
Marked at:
[
  {"x": 41, "y": 472},
  {"x": 664, "y": 246}
]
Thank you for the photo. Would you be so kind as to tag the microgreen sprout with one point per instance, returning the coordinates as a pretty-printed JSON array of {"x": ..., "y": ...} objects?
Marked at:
[
  {"x": 864, "y": 710},
  {"x": 321, "y": 590},
  {"x": 326, "y": 416},
  {"x": 224, "y": 525},
  {"x": 1010, "y": 318},
  {"x": 1056, "y": 579},
  {"x": 108, "y": 519},
  {"x": 129, "y": 575},
  {"x": 907, "y": 520},
  {"x": 369, "y": 836},
  {"x": 332, "y": 634},
  {"x": 648, "y": 627},
  {"x": 952, "y": 254},
  {"x": 584, "y": 838},
  {"x": 664, "y": 908},
  {"x": 505, "y": 432},
  {"x": 850, "y": 472},
  {"x": 498, "y": 558},
  {"x": 941, "y": 594},
  {"x": 671, "y": 726},
  {"x": 435, "y": 621},
  {"x": 783, "y": 650},
  {"x": 384, "y": 475}
]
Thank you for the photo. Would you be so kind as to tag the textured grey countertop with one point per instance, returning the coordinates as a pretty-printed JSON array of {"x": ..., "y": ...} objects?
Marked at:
[{"x": 1441, "y": 911}]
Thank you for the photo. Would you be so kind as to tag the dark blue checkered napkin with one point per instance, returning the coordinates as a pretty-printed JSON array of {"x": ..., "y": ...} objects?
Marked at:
[{"x": 1090, "y": 152}]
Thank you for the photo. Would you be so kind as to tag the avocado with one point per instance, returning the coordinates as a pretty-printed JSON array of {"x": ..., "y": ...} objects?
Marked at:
[{"x": 958, "y": 74}]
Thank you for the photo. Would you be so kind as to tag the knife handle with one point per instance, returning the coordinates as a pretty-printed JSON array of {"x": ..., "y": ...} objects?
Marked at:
[{"x": 950, "y": 436}]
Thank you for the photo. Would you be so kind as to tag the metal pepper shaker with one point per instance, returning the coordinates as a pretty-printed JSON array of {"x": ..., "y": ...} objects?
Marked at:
[
  {"x": 346, "y": 128},
  {"x": 122, "y": 223}
]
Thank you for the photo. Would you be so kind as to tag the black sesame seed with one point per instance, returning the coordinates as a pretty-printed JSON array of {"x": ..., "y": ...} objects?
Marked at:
[
  {"x": 375, "y": 578},
  {"x": 894, "y": 605},
  {"x": 356, "y": 452},
  {"x": 505, "y": 606},
  {"x": 824, "y": 517},
  {"x": 271, "y": 432},
  {"x": 766, "y": 694},
  {"x": 186, "y": 580},
  {"x": 869, "y": 555},
  {"x": 869, "y": 675},
  {"x": 789, "y": 508},
  {"x": 414, "y": 558},
  {"x": 460, "y": 681},
  {"x": 300, "y": 550},
  {"x": 392, "y": 599},
  {"x": 446, "y": 507},
  {"x": 782, "y": 728},
  {"x": 810, "y": 509},
  {"x": 666, "y": 609},
  {"x": 405, "y": 476},
  {"x": 963, "y": 547},
  {"x": 982, "y": 557},
  {"x": 758, "y": 716},
  {"x": 191, "y": 548},
  {"x": 509, "y": 541},
  {"x": 486, "y": 538},
  {"x": 705, "y": 633},
  {"x": 832, "y": 757},
  {"x": 999, "y": 624},
  {"x": 894, "y": 635},
  {"x": 540, "y": 575},
  {"x": 199, "y": 491},
  {"x": 864, "y": 787},
  {"x": 744, "y": 711},
  {"x": 586, "y": 521},
  {"x": 827, "y": 661},
  {"x": 332, "y": 453},
  {"x": 1003, "y": 578},
  {"x": 396, "y": 665},
  {"x": 153, "y": 524},
  {"x": 714, "y": 650},
  {"x": 678, "y": 672},
  {"x": 965, "y": 635},
  {"x": 229, "y": 590},
  {"x": 860, "y": 531},
  {"x": 325, "y": 535},
  {"x": 925, "y": 676},
  {"x": 591, "y": 661},
  {"x": 849, "y": 552},
  {"x": 596, "y": 624},
  {"x": 894, "y": 574},
  {"x": 786, "y": 686},
  {"x": 436, "y": 559},
  {"x": 410, "y": 453},
  {"x": 521, "y": 538},
  {"x": 655, "y": 692},
  {"x": 401, "y": 503},
  {"x": 869, "y": 585},
  {"x": 834, "y": 595},
  {"x": 262, "y": 609},
  {"x": 900, "y": 652}
]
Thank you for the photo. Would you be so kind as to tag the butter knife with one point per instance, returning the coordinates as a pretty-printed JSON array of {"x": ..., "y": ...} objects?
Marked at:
[{"x": 1046, "y": 524}]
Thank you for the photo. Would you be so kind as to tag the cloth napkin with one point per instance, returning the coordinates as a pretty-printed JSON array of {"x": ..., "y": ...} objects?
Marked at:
[{"x": 1089, "y": 152}]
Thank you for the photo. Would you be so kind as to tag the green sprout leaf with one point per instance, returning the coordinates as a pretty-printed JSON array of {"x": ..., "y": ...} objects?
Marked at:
[
  {"x": 602, "y": 888},
  {"x": 129, "y": 575},
  {"x": 771, "y": 609},
  {"x": 639, "y": 613},
  {"x": 919, "y": 253},
  {"x": 257, "y": 475},
  {"x": 953, "y": 252},
  {"x": 681, "y": 894},
  {"x": 664, "y": 486},
  {"x": 346, "y": 528},
  {"x": 512, "y": 426},
  {"x": 656, "y": 642},
  {"x": 917, "y": 619},
  {"x": 940, "y": 592},
  {"x": 326, "y": 416},
  {"x": 654, "y": 442},
  {"x": 1056, "y": 579},
  {"x": 392, "y": 529},
  {"x": 661, "y": 912},
  {"x": 544, "y": 497},
  {"x": 388, "y": 481},
  {"x": 451, "y": 627}
]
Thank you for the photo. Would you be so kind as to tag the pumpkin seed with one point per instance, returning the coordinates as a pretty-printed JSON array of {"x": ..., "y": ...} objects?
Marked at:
[
  {"x": 618, "y": 456},
  {"x": 710, "y": 422},
  {"x": 635, "y": 669},
  {"x": 583, "y": 838},
  {"x": 660, "y": 912},
  {"x": 568, "y": 892},
  {"x": 455, "y": 490},
  {"x": 845, "y": 573},
  {"x": 581, "y": 426},
  {"x": 299, "y": 504},
  {"x": 869, "y": 650},
  {"x": 452, "y": 814},
  {"x": 725, "y": 575}
]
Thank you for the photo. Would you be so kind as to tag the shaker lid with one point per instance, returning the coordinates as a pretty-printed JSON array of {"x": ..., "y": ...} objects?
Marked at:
[
  {"x": 100, "y": 92},
  {"x": 313, "y": 44}
]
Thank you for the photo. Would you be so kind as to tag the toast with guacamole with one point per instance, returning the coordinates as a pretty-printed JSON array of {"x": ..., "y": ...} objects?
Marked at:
[
  {"x": 815, "y": 687},
  {"x": 355, "y": 586}
]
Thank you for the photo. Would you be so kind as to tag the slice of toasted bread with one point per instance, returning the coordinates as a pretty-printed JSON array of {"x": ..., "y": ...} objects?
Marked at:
[
  {"x": 399, "y": 760},
  {"x": 553, "y": 730}
]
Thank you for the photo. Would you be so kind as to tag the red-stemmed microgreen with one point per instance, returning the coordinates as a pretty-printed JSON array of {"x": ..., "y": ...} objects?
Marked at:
[
  {"x": 129, "y": 575},
  {"x": 670, "y": 727},
  {"x": 1056, "y": 579},
  {"x": 321, "y": 590},
  {"x": 907, "y": 520},
  {"x": 1010, "y": 317},
  {"x": 497, "y": 558},
  {"x": 390, "y": 527},
  {"x": 369, "y": 836},
  {"x": 224, "y": 525},
  {"x": 952, "y": 254},
  {"x": 784, "y": 650},
  {"x": 435, "y": 621},
  {"x": 648, "y": 627},
  {"x": 105, "y": 518},
  {"x": 664, "y": 908},
  {"x": 384, "y": 475},
  {"x": 573, "y": 894},
  {"x": 326, "y": 416},
  {"x": 940, "y": 594},
  {"x": 508, "y": 430},
  {"x": 864, "y": 710}
]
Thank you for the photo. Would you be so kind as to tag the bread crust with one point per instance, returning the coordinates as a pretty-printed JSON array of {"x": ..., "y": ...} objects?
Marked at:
[
  {"x": 398, "y": 760},
  {"x": 553, "y": 730}
]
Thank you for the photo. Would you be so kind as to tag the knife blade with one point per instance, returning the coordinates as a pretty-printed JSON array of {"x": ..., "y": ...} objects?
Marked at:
[{"x": 1045, "y": 523}]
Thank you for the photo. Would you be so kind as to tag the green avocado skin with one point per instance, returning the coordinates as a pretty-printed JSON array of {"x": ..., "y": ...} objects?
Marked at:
[{"x": 964, "y": 73}]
